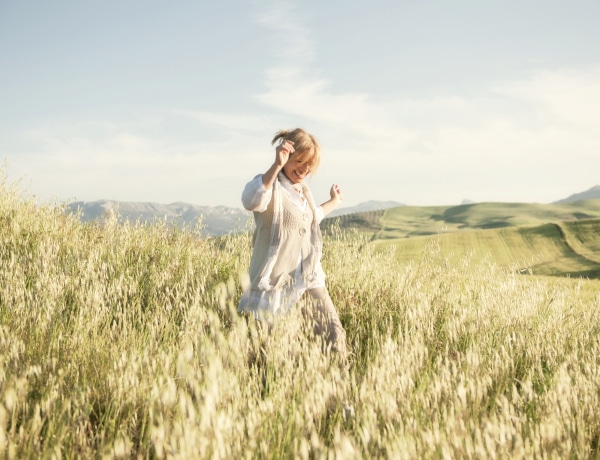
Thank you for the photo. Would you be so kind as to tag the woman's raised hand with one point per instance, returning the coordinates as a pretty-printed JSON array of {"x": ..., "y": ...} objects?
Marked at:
[
  {"x": 283, "y": 152},
  {"x": 336, "y": 193}
]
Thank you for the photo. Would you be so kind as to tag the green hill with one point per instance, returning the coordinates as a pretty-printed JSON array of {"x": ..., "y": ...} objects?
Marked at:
[
  {"x": 543, "y": 239},
  {"x": 414, "y": 221},
  {"x": 552, "y": 249},
  {"x": 410, "y": 221}
]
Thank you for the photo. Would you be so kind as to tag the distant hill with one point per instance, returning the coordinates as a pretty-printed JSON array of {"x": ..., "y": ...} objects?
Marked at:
[
  {"x": 384, "y": 219},
  {"x": 568, "y": 248},
  {"x": 593, "y": 193},
  {"x": 366, "y": 207},
  {"x": 215, "y": 220},
  {"x": 427, "y": 220},
  {"x": 414, "y": 221}
]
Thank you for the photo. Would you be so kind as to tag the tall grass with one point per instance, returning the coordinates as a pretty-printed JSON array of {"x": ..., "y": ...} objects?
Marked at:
[{"x": 122, "y": 341}]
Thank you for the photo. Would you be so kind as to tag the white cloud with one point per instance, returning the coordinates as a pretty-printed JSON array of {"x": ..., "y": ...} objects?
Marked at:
[
  {"x": 569, "y": 97},
  {"x": 530, "y": 124},
  {"x": 284, "y": 18},
  {"x": 86, "y": 161}
]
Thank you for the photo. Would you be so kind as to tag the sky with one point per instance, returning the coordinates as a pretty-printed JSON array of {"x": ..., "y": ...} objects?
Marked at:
[{"x": 426, "y": 102}]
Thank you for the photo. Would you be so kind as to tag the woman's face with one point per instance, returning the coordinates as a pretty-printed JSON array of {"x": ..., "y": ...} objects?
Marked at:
[{"x": 298, "y": 168}]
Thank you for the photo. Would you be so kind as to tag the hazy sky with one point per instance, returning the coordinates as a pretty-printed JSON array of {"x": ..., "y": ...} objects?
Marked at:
[{"x": 424, "y": 102}]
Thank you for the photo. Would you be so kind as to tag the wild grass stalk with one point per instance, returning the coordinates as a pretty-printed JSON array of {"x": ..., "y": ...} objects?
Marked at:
[{"x": 122, "y": 341}]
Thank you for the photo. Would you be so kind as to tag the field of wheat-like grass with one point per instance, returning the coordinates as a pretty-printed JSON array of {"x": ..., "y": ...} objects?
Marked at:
[{"x": 122, "y": 341}]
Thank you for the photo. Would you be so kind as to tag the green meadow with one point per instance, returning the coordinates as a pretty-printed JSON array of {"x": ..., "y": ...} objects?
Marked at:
[
  {"x": 122, "y": 340},
  {"x": 540, "y": 239},
  {"x": 408, "y": 221}
]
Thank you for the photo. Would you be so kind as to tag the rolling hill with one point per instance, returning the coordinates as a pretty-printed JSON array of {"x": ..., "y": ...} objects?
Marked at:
[
  {"x": 221, "y": 220},
  {"x": 412, "y": 221},
  {"x": 553, "y": 249},
  {"x": 542, "y": 239}
]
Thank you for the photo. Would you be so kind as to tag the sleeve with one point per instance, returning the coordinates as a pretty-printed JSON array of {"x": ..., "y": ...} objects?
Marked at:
[
  {"x": 255, "y": 196},
  {"x": 319, "y": 214}
]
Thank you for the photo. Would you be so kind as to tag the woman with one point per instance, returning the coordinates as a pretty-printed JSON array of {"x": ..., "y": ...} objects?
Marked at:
[{"x": 287, "y": 242}]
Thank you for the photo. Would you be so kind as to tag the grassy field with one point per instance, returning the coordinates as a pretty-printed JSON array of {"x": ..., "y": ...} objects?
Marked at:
[
  {"x": 122, "y": 341},
  {"x": 553, "y": 249},
  {"x": 541, "y": 239}
]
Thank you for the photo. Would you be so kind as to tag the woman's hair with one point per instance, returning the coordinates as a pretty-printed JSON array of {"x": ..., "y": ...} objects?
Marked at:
[{"x": 306, "y": 147}]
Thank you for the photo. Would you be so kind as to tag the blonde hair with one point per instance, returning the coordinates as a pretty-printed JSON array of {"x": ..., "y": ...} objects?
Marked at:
[{"x": 306, "y": 147}]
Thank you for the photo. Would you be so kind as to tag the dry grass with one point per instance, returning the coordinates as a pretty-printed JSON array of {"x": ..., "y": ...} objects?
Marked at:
[{"x": 122, "y": 341}]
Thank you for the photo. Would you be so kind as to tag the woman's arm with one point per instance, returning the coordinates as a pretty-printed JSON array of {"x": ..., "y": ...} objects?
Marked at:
[
  {"x": 334, "y": 201},
  {"x": 257, "y": 194},
  {"x": 282, "y": 155}
]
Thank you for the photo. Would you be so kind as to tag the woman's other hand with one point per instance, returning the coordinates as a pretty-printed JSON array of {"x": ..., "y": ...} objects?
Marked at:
[{"x": 336, "y": 193}]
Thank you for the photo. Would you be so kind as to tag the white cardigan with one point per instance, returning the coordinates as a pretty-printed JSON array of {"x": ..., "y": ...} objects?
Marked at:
[{"x": 268, "y": 300}]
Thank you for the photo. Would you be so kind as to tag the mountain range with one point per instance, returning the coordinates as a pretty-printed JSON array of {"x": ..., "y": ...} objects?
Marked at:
[
  {"x": 221, "y": 220},
  {"x": 590, "y": 194},
  {"x": 213, "y": 220}
]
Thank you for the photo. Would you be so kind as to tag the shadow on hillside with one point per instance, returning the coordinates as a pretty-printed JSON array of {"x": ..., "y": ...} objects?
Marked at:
[
  {"x": 593, "y": 274},
  {"x": 494, "y": 224},
  {"x": 460, "y": 215},
  {"x": 590, "y": 274}
]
